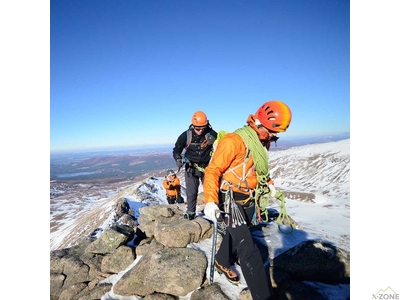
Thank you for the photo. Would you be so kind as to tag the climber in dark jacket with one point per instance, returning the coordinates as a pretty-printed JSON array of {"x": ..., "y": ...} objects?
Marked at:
[{"x": 193, "y": 149}]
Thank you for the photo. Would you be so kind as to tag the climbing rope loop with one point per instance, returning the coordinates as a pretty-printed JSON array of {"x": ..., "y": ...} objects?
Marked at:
[{"x": 282, "y": 213}]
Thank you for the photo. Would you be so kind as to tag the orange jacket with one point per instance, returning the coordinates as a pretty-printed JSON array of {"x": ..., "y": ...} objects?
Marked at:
[
  {"x": 175, "y": 185},
  {"x": 227, "y": 162}
]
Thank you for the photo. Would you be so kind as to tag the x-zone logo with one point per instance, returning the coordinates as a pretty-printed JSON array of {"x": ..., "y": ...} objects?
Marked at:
[{"x": 387, "y": 293}]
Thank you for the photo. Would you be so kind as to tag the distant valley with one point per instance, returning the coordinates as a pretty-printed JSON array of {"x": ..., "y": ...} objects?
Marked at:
[
  {"x": 127, "y": 164},
  {"x": 108, "y": 167},
  {"x": 94, "y": 175}
]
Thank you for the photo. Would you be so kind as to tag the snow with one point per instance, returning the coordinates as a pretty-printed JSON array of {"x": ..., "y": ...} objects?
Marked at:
[
  {"x": 277, "y": 241},
  {"x": 326, "y": 217}
]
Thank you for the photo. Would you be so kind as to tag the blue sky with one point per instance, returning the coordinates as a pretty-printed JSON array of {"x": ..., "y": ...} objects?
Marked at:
[{"x": 133, "y": 72}]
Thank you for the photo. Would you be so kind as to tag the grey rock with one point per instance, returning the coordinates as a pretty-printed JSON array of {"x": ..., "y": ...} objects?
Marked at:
[
  {"x": 118, "y": 261},
  {"x": 167, "y": 268},
  {"x": 315, "y": 261},
  {"x": 162, "y": 271},
  {"x": 209, "y": 292}
]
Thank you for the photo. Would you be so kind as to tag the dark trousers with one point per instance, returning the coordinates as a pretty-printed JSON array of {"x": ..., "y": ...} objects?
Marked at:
[
  {"x": 173, "y": 199},
  {"x": 192, "y": 179},
  {"x": 238, "y": 241}
]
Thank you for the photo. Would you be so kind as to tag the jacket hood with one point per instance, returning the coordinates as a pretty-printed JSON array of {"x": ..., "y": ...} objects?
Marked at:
[{"x": 262, "y": 135}]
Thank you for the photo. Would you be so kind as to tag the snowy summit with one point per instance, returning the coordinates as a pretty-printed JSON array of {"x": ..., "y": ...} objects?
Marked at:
[{"x": 314, "y": 178}]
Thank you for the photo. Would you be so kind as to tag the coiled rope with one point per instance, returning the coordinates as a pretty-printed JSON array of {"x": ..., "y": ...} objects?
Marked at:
[{"x": 262, "y": 192}]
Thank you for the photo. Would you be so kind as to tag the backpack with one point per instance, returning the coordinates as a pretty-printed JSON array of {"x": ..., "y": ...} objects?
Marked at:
[
  {"x": 189, "y": 138},
  {"x": 208, "y": 137},
  {"x": 220, "y": 134}
]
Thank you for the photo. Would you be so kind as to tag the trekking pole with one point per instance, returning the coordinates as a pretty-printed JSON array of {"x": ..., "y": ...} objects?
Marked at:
[{"x": 213, "y": 250}]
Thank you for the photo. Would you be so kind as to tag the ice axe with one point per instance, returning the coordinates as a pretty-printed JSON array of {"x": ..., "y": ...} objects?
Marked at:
[{"x": 214, "y": 245}]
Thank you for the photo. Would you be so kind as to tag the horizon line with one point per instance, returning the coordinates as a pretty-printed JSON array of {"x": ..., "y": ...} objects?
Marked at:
[{"x": 289, "y": 140}]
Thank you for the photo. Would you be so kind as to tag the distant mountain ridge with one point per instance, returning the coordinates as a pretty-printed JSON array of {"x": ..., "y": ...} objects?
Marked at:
[
  {"x": 308, "y": 168},
  {"x": 167, "y": 148},
  {"x": 129, "y": 163},
  {"x": 299, "y": 172}
]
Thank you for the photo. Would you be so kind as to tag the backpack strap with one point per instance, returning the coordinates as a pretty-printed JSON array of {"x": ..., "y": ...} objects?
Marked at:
[
  {"x": 188, "y": 138},
  {"x": 204, "y": 144}
]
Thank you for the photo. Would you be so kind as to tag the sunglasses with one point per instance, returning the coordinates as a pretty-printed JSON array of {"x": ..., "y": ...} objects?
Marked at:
[
  {"x": 274, "y": 138},
  {"x": 200, "y": 128}
]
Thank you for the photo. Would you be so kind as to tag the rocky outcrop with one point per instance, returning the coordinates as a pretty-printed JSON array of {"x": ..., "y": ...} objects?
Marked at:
[
  {"x": 162, "y": 272},
  {"x": 152, "y": 261}
]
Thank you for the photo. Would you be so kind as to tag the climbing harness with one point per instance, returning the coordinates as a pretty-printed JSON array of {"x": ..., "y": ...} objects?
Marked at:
[
  {"x": 261, "y": 194},
  {"x": 198, "y": 167}
]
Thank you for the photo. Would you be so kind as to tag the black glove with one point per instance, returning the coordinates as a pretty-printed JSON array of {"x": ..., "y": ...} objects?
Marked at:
[
  {"x": 171, "y": 187},
  {"x": 179, "y": 162}
]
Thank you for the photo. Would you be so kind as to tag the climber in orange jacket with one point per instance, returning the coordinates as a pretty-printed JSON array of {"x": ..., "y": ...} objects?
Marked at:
[
  {"x": 172, "y": 186},
  {"x": 235, "y": 178}
]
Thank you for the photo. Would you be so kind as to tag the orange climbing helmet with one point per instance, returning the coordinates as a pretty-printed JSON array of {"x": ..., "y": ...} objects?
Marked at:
[
  {"x": 274, "y": 115},
  {"x": 199, "y": 119}
]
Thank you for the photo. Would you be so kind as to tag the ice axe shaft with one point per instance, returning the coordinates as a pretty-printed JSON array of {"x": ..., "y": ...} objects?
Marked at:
[
  {"x": 214, "y": 243},
  {"x": 213, "y": 249}
]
